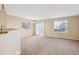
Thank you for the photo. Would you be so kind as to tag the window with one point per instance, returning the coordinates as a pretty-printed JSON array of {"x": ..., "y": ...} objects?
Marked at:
[
  {"x": 26, "y": 25},
  {"x": 61, "y": 26}
]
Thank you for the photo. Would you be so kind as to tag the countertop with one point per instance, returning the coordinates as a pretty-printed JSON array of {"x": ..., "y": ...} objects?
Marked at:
[{"x": 9, "y": 30}]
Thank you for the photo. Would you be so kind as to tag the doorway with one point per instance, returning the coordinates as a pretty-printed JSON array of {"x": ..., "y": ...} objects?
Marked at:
[{"x": 40, "y": 28}]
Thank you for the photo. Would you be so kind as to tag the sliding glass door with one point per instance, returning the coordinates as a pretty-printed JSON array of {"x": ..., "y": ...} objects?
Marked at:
[{"x": 40, "y": 28}]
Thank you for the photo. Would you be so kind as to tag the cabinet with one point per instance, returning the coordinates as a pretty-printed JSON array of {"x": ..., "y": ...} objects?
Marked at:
[{"x": 10, "y": 43}]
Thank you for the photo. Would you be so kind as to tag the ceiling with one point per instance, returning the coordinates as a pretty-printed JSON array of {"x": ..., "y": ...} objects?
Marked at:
[{"x": 42, "y": 11}]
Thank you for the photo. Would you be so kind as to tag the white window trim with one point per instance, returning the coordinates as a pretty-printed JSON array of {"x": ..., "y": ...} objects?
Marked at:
[{"x": 58, "y": 31}]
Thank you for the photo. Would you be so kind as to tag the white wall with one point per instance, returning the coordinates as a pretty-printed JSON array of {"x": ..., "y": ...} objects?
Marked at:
[
  {"x": 2, "y": 18},
  {"x": 73, "y": 31}
]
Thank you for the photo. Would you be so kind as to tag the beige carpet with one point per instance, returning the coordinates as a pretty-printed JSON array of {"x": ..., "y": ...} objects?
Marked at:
[{"x": 49, "y": 46}]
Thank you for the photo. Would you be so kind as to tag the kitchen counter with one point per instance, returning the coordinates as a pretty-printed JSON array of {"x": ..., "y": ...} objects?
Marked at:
[
  {"x": 7, "y": 30},
  {"x": 10, "y": 42}
]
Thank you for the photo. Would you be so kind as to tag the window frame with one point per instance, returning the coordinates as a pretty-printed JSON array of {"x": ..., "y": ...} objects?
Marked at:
[{"x": 62, "y": 31}]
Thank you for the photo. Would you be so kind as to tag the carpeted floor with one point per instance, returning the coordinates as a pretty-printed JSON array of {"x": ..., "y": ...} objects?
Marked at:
[{"x": 36, "y": 45}]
